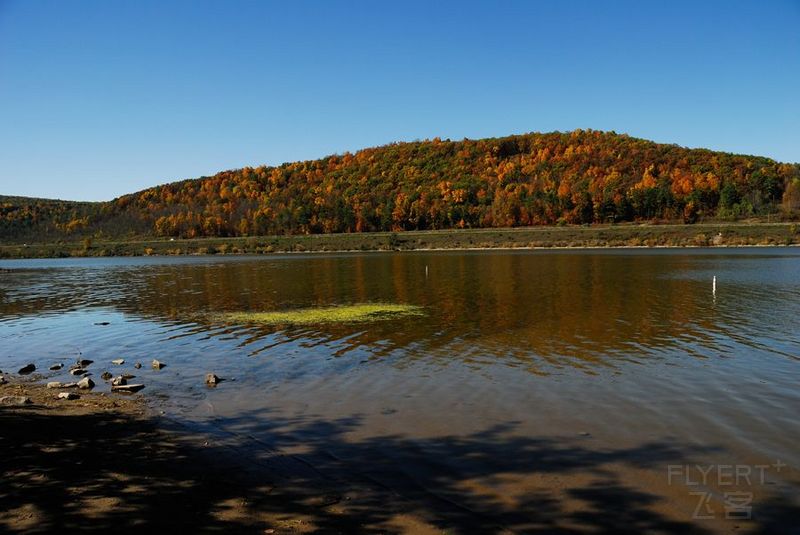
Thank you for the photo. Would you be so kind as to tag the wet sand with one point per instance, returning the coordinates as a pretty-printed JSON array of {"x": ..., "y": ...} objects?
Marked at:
[{"x": 109, "y": 462}]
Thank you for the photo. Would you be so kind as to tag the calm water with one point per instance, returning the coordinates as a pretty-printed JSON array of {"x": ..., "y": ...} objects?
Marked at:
[{"x": 517, "y": 354}]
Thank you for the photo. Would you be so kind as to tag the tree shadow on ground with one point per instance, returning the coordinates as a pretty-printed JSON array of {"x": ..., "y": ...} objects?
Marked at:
[{"x": 106, "y": 471}]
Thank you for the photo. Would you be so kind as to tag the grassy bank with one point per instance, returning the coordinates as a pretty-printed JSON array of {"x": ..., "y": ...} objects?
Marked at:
[{"x": 647, "y": 235}]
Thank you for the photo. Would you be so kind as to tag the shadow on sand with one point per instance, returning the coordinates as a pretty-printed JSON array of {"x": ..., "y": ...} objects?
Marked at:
[{"x": 105, "y": 472}]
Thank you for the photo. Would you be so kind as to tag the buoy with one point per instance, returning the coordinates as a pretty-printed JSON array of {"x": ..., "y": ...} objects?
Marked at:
[
  {"x": 714, "y": 285},
  {"x": 426, "y": 270}
]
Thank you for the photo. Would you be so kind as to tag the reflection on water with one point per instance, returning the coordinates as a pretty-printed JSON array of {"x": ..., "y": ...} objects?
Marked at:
[
  {"x": 538, "y": 311},
  {"x": 629, "y": 346}
]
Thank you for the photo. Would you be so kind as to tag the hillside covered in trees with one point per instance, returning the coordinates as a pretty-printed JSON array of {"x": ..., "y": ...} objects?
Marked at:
[{"x": 533, "y": 179}]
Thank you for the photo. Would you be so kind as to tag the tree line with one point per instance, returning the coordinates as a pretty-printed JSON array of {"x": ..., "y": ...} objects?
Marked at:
[{"x": 577, "y": 177}]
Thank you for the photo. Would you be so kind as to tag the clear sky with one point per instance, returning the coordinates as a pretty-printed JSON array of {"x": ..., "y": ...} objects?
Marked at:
[{"x": 103, "y": 98}]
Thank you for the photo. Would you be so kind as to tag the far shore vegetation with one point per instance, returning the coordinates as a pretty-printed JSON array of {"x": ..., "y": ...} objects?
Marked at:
[{"x": 570, "y": 236}]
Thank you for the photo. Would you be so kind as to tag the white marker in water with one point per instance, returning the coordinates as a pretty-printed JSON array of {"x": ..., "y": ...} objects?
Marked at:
[
  {"x": 426, "y": 270},
  {"x": 714, "y": 285}
]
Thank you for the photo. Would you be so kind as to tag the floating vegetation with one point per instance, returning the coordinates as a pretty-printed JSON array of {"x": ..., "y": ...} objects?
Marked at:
[{"x": 357, "y": 313}]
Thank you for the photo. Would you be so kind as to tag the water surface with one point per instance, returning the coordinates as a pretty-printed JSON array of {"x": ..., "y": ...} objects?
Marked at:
[{"x": 524, "y": 366}]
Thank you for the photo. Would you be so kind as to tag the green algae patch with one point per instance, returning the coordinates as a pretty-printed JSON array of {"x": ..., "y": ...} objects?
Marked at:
[{"x": 358, "y": 313}]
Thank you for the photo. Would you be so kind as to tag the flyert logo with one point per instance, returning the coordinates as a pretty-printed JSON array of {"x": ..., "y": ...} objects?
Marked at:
[{"x": 733, "y": 479}]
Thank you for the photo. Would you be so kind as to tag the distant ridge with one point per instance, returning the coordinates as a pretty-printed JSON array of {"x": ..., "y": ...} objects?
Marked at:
[
  {"x": 584, "y": 176},
  {"x": 18, "y": 199}
]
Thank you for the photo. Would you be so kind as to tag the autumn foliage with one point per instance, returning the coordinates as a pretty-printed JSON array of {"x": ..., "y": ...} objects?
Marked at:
[{"x": 583, "y": 176}]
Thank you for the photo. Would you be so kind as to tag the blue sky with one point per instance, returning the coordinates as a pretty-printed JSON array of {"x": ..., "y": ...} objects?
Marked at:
[{"x": 98, "y": 99}]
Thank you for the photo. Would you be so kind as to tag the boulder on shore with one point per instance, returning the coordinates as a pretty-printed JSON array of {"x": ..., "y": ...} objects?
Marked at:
[{"x": 85, "y": 383}]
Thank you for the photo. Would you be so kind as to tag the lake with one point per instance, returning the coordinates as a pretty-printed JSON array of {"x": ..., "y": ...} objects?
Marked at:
[{"x": 534, "y": 385}]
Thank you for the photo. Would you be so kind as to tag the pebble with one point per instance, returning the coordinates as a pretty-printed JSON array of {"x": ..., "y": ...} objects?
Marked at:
[
  {"x": 55, "y": 367},
  {"x": 68, "y": 395},
  {"x": 118, "y": 362},
  {"x": 85, "y": 383},
  {"x": 158, "y": 365},
  {"x": 15, "y": 401},
  {"x": 29, "y": 368}
]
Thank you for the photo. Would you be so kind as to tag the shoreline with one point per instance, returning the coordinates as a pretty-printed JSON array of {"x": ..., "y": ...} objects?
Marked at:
[
  {"x": 624, "y": 236},
  {"x": 108, "y": 462},
  {"x": 111, "y": 462}
]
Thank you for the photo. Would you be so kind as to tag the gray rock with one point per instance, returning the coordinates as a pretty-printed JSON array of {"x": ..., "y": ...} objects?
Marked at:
[
  {"x": 137, "y": 365},
  {"x": 55, "y": 367},
  {"x": 158, "y": 365},
  {"x": 69, "y": 385},
  {"x": 127, "y": 388},
  {"x": 127, "y": 376},
  {"x": 105, "y": 376},
  {"x": 77, "y": 371},
  {"x": 2, "y": 380},
  {"x": 28, "y": 368},
  {"x": 54, "y": 384},
  {"x": 85, "y": 383},
  {"x": 83, "y": 362},
  {"x": 15, "y": 401},
  {"x": 118, "y": 362},
  {"x": 68, "y": 395},
  {"x": 212, "y": 379},
  {"x": 119, "y": 381}
]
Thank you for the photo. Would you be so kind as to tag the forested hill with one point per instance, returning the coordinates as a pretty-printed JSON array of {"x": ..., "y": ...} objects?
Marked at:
[
  {"x": 532, "y": 179},
  {"x": 27, "y": 218}
]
